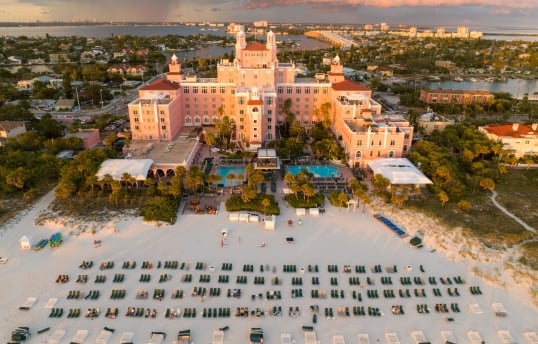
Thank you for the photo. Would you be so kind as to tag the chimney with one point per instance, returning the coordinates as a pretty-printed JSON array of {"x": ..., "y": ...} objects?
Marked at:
[
  {"x": 515, "y": 126},
  {"x": 534, "y": 126}
]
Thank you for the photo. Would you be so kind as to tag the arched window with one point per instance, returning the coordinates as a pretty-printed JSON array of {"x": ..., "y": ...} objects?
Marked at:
[
  {"x": 214, "y": 120},
  {"x": 206, "y": 120},
  {"x": 255, "y": 109},
  {"x": 391, "y": 154},
  {"x": 188, "y": 120},
  {"x": 197, "y": 120},
  {"x": 358, "y": 154}
]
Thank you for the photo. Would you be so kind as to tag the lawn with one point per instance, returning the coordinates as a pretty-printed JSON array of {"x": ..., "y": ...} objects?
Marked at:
[{"x": 518, "y": 193}]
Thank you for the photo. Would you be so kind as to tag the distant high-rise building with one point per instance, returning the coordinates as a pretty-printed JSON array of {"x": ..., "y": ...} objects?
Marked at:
[{"x": 384, "y": 27}]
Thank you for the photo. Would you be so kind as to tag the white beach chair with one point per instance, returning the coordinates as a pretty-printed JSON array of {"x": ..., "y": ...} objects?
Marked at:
[
  {"x": 218, "y": 337},
  {"x": 285, "y": 338},
  {"x": 56, "y": 337},
  {"x": 79, "y": 337},
  {"x": 338, "y": 339},
  {"x": 506, "y": 337},
  {"x": 531, "y": 337},
  {"x": 363, "y": 338},
  {"x": 103, "y": 337},
  {"x": 310, "y": 337},
  {"x": 127, "y": 338},
  {"x": 418, "y": 337},
  {"x": 156, "y": 338},
  {"x": 392, "y": 338},
  {"x": 474, "y": 337},
  {"x": 448, "y": 337}
]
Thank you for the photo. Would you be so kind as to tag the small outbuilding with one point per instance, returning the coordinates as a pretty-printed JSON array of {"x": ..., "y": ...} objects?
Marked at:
[{"x": 25, "y": 243}]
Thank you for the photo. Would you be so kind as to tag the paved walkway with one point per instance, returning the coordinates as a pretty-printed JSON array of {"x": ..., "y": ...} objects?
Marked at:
[{"x": 504, "y": 210}]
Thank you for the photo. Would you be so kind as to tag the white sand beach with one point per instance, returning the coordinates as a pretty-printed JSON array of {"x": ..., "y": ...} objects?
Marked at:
[{"x": 337, "y": 238}]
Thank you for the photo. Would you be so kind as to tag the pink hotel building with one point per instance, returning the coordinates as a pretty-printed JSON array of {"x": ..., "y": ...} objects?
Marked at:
[{"x": 251, "y": 91}]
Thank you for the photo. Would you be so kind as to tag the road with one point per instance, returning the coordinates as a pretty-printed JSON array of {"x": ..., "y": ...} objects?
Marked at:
[{"x": 117, "y": 106}]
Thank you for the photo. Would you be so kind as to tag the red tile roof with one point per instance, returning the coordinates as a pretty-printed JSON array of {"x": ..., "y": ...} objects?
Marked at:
[
  {"x": 505, "y": 130},
  {"x": 161, "y": 84},
  {"x": 256, "y": 46},
  {"x": 347, "y": 85},
  {"x": 254, "y": 102}
]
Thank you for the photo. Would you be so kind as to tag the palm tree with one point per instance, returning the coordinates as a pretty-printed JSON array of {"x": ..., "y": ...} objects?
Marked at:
[
  {"x": 343, "y": 198},
  {"x": 308, "y": 190},
  {"x": 443, "y": 197},
  {"x": 240, "y": 178},
  {"x": 230, "y": 177},
  {"x": 266, "y": 203}
]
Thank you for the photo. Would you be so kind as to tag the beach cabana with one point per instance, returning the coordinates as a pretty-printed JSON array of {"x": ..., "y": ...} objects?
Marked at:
[
  {"x": 25, "y": 242},
  {"x": 300, "y": 211},
  {"x": 363, "y": 338},
  {"x": 310, "y": 337},
  {"x": 499, "y": 309},
  {"x": 156, "y": 338},
  {"x": 285, "y": 338},
  {"x": 79, "y": 337},
  {"x": 392, "y": 338},
  {"x": 506, "y": 337},
  {"x": 234, "y": 217},
  {"x": 184, "y": 337},
  {"x": 448, "y": 337},
  {"x": 56, "y": 337},
  {"x": 474, "y": 337},
  {"x": 531, "y": 337},
  {"x": 218, "y": 337},
  {"x": 103, "y": 337},
  {"x": 313, "y": 211},
  {"x": 270, "y": 223},
  {"x": 127, "y": 338},
  {"x": 338, "y": 339},
  {"x": 418, "y": 337}
]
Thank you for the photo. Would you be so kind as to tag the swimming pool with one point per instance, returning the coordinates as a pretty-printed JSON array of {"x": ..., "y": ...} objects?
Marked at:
[
  {"x": 319, "y": 171},
  {"x": 223, "y": 171}
]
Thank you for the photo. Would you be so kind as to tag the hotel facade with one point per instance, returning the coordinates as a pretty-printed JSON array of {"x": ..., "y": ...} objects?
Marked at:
[{"x": 252, "y": 89}]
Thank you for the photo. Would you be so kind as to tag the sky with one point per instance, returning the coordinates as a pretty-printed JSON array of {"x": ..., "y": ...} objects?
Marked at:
[{"x": 472, "y": 13}]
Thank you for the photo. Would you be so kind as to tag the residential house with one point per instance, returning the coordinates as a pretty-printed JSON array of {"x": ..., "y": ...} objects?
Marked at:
[
  {"x": 442, "y": 96},
  {"x": 520, "y": 139},
  {"x": 10, "y": 129},
  {"x": 431, "y": 121},
  {"x": 64, "y": 105}
]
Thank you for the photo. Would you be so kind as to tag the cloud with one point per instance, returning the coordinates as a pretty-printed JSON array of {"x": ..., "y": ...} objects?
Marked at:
[
  {"x": 501, "y": 11},
  {"x": 255, "y": 4}
]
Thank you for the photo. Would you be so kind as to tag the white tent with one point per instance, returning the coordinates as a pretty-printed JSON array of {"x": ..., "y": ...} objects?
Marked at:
[
  {"x": 25, "y": 242},
  {"x": 270, "y": 223}
]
